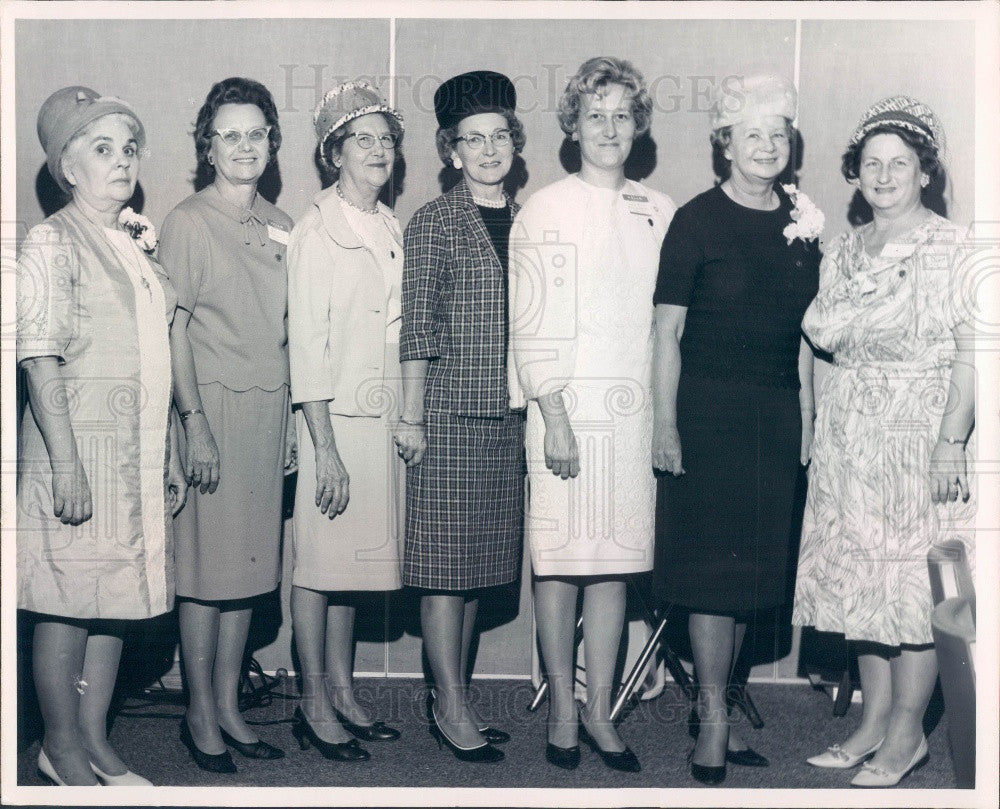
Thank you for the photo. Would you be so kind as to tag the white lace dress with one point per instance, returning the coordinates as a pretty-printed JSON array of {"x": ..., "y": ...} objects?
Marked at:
[{"x": 593, "y": 252}]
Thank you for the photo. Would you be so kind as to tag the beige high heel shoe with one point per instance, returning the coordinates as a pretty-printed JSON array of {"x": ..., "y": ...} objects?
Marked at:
[
  {"x": 874, "y": 776},
  {"x": 126, "y": 779},
  {"x": 836, "y": 758}
]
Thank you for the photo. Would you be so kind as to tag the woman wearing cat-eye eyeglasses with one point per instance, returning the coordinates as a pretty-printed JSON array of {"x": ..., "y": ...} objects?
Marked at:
[{"x": 224, "y": 249}]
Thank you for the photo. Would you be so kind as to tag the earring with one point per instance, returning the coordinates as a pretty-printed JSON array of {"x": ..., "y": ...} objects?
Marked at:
[
  {"x": 924, "y": 181},
  {"x": 211, "y": 160},
  {"x": 456, "y": 161}
]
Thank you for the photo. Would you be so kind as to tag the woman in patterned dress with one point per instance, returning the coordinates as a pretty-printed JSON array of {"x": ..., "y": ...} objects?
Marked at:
[
  {"x": 94, "y": 539},
  {"x": 583, "y": 352},
  {"x": 895, "y": 411},
  {"x": 463, "y": 445}
]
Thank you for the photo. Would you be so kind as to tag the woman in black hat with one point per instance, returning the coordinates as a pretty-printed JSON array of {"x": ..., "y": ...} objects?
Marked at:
[{"x": 463, "y": 446}]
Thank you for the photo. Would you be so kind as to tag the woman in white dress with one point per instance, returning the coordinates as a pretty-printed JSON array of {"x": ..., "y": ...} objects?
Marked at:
[
  {"x": 583, "y": 263},
  {"x": 345, "y": 267}
]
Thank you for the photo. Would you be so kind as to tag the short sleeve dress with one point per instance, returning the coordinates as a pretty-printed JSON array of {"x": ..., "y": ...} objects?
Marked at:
[
  {"x": 724, "y": 530},
  {"x": 228, "y": 266},
  {"x": 88, "y": 296},
  {"x": 869, "y": 520},
  {"x": 583, "y": 267}
]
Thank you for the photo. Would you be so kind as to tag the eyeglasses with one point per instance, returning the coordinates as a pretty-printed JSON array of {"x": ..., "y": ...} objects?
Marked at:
[
  {"x": 477, "y": 140},
  {"x": 366, "y": 140},
  {"x": 234, "y": 137}
]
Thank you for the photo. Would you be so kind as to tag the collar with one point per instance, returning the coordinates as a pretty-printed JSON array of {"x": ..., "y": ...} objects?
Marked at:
[
  {"x": 252, "y": 219},
  {"x": 462, "y": 195},
  {"x": 331, "y": 211}
]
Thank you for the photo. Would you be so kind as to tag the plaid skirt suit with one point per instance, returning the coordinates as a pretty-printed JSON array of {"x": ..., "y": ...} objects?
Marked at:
[{"x": 465, "y": 500}]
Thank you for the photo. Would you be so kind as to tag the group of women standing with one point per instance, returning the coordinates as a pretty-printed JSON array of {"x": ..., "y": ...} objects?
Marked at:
[{"x": 415, "y": 355}]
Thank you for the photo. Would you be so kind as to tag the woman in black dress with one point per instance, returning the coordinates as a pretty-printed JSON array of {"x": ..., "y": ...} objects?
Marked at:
[{"x": 730, "y": 373}]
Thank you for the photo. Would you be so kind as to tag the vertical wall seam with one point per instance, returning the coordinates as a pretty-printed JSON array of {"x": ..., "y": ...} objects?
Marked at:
[
  {"x": 392, "y": 62},
  {"x": 387, "y": 612},
  {"x": 798, "y": 53}
]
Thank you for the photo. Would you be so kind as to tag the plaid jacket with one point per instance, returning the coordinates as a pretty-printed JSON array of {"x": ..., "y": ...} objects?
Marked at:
[{"x": 455, "y": 307}]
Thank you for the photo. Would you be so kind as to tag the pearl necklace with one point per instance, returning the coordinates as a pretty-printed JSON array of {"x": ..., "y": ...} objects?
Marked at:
[
  {"x": 490, "y": 203},
  {"x": 356, "y": 207}
]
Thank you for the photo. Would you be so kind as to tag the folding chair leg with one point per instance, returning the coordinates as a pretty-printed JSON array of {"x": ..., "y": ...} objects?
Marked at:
[
  {"x": 632, "y": 680},
  {"x": 742, "y": 700},
  {"x": 845, "y": 690}
]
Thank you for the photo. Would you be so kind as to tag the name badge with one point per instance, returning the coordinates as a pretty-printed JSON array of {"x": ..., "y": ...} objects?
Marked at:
[
  {"x": 276, "y": 233},
  {"x": 635, "y": 198}
]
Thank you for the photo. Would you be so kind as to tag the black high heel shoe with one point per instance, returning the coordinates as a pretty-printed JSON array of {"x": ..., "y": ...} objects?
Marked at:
[
  {"x": 257, "y": 749},
  {"x": 335, "y": 751},
  {"x": 483, "y": 754},
  {"x": 705, "y": 773},
  {"x": 375, "y": 732},
  {"x": 494, "y": 735},
  {"x": 567, "y": 758},
  {"x": 623, "y": 761},
  {"x": 747, "y": 757},
  {"x": 210, "y": 762}
]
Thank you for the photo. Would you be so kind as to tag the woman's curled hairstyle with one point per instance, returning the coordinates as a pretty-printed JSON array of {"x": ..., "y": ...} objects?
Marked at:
[
  {"x": 927, "y": 153},
  {"x": 593, "y": 77},
  {"x": 234, "y": 90},
  {"x": 329, "y": 150},
  {"x": 445, "y": 137}
]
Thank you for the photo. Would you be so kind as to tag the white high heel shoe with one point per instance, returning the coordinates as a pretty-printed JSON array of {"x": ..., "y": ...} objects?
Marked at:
[
  {"x": 874, "y": 776},
  {"x": 46, "y": 770},
  {"x": 126, "y": 779},
  {"x": 836, "y": 758}
]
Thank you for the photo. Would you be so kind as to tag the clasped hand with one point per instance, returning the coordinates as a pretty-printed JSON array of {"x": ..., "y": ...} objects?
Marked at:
[
  {"x": 562, "y": 455},
  {"x": 948, "y": 473},
  {"x": 201, "y": 462},
  {"x": 667, "y": 449},
  {"x": 71, "y": 499},
  {"x": 411, "y": 442},
  {"x": 333, "y": 484}
]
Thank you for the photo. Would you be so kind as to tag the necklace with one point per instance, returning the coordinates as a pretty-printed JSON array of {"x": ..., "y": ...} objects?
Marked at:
[
  {"x": 356, "y": 207},
  {"x": 490, "y": 203}
]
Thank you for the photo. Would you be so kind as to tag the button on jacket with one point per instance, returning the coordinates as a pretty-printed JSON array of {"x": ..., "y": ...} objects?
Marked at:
[
  {"x": 336, "y": 311},
  {"x": 455, "y": 307}
]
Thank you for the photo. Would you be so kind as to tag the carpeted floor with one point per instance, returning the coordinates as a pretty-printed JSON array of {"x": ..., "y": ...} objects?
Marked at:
[{"x": 798, "y": 723}]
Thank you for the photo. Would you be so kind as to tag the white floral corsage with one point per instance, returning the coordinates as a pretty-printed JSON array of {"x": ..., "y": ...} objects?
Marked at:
[
  {"x": 807, "y": 220},
  {"x": 139, "y": 228}
]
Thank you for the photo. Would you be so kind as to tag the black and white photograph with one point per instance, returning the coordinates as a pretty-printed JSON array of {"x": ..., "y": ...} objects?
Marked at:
[{"x": 500, "y": 403}]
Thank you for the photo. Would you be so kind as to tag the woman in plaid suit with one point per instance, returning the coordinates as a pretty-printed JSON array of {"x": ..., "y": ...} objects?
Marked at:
[{"x": 463, "y": 446}]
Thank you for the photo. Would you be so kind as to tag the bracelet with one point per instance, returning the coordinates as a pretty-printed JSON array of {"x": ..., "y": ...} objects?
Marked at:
[
  {"x": 191, "y": 412},
  {"x": 952, "y": 440},
  {"x": 412, "y": 423}
]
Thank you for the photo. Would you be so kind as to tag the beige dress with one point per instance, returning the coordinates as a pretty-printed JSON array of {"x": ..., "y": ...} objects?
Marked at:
[
  {"x": 89, "y": 296},
  {"x": 338, "y": 254},
  {"x": 228, "y": 266}
]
